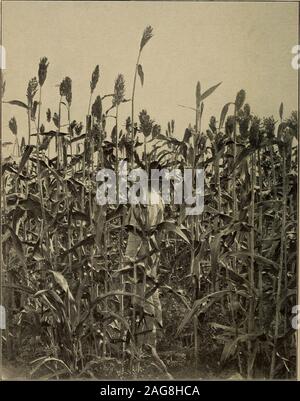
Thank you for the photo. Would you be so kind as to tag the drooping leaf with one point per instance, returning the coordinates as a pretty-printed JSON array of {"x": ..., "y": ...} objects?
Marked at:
[
  {"x": 172, "y": 227},
  {"x": 86, "y": 241},
  {"x": 141, "y": 74},
  {"x": 259, "y": 258},
  {"x": 17, "y": 103},
  {"x": 25, "y": 157},
  {"x": 17, "y": 243},
  {"x": 62, "y": 282},
  {"x": 230, "y": 346},
  {"x": 198, "y": 305}
]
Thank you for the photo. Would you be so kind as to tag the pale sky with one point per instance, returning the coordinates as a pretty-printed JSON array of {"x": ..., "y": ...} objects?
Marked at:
[{"x": 244, "y": 45}]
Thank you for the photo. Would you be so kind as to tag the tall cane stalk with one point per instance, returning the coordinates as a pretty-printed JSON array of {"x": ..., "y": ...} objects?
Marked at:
[{"x": 147, "y": 35}]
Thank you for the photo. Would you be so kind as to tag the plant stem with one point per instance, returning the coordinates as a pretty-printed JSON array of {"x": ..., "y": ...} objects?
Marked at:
[
  {"x": 251, "y": 266},
  {"x": 281, "y": 265},
  {"x": 131, "y": 162},
  {"x": 132, "y": 106}
]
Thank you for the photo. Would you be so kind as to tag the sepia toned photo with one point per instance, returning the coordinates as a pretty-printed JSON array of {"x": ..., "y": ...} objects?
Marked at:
[{"x": 149, "y": 191}]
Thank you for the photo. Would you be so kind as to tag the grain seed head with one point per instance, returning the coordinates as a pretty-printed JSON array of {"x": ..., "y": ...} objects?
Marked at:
[
  {"x": 240, "y": 98},
  {"x": 13, "y": 125},
  {"x": 95, "y": 78},
  {"x": 31, "y": 89},
  {"x": 147, "y": 35},
  {"x": 119, "y": 90},
  {"x": 97, "y": 108},
  {"x": 65, "y": 89},
  {"x": 42, "y": 73}
]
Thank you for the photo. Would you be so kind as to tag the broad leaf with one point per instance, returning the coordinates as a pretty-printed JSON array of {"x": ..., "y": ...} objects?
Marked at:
[{"x": 209, "y": 91}]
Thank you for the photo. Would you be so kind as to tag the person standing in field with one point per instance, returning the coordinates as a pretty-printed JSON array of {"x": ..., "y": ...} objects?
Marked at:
[{"x": 143, "y": 253}]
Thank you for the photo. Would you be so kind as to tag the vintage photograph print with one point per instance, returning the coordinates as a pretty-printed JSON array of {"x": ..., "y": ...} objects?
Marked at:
[{"x": 149, "y": 190}]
